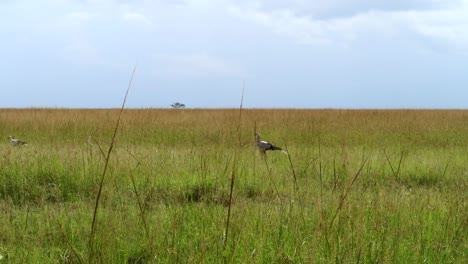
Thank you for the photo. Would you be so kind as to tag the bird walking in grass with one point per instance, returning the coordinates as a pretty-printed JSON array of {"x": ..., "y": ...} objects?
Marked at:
[
  {"x": 16, "y": 142},
  {"x": 264, "y": 146}
]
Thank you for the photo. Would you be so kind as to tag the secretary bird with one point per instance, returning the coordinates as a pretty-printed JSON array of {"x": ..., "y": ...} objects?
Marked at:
[
  {"x": 263, "y": 145},
  {"x": 16, "y": 142}
]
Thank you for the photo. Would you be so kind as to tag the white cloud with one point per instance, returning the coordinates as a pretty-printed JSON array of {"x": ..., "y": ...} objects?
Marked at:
[
  {"x": 196, "y": 66},
  {"x": 339, "y": 8},
  {"x": 136, "y": 17},
  {"x": 306, "y": 30},
  {"x": 446, "y": 25},
  {"x": 80, "y": 16},
  {"x": 81, "y": 52}
]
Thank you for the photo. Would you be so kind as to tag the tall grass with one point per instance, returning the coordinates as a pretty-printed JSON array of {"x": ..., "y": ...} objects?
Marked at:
[{"x": 357, "y": 186}]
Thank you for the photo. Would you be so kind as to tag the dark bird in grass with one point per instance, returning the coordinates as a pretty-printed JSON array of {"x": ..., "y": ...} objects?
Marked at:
[
  {"x": 263, "y": 145},
  {"x": 16, "y": 142}
]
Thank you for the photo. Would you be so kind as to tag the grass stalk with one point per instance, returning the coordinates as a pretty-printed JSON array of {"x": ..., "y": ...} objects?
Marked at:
[
  {"x": 344, "y": 195},
  {"x": 96, "y": 143},
  {"x": 238, "y": 125},
  {"x": 396, "y": 172},
  {"x": 106, "y": 166},
  {"x": 233, "y": 177},
  {"x": 322, "y": 211},
  {"x": 72, "y": 248},
  {"x": 140, "y": 205},
  {"x": 228, "y": 217},
  {"x": 292, "y": 170}
]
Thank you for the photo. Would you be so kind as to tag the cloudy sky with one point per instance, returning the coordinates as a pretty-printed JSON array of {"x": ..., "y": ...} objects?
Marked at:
[{"x": 289, "y": 54}]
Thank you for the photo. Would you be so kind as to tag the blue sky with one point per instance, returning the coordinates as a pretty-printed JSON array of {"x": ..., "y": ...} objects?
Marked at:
[{"x": 290, "y": 54}]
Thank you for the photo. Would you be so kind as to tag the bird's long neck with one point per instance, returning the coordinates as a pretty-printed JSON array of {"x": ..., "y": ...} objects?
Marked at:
[{"x": 257, "y": 138}]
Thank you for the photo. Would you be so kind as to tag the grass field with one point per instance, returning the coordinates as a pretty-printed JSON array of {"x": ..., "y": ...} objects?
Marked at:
[{"x": 188, "y": 186}]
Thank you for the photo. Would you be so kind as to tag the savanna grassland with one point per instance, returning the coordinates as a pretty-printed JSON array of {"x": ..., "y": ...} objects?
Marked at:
[{"x": 189, "y": 186}]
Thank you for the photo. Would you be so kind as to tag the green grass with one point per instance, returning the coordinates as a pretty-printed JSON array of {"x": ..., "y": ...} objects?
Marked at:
[{"x": 372, "y": 186}]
